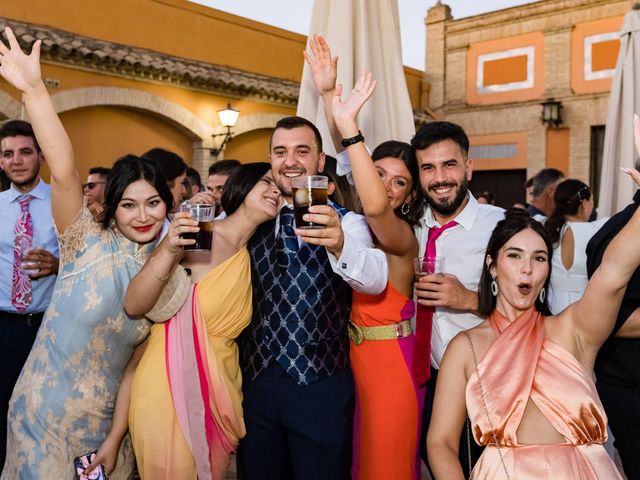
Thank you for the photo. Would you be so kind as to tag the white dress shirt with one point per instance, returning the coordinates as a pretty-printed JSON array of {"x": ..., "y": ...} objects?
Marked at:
[
  {"x": 463, "y": 249},
  {"x": 44, "y": 236},
  {"x": 361, "y": 265}
]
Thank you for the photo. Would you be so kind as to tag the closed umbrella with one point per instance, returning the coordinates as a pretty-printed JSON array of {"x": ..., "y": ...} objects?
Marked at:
[
  {"x": 363, "y": 34},
  {"x": 616, "y": 191}
]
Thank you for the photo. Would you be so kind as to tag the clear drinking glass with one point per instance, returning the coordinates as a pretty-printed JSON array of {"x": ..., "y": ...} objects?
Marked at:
[
  {"x": 427, "y": 266},
  {"x": 204, "y": 214},
  {"x": 308, "y": 191}
]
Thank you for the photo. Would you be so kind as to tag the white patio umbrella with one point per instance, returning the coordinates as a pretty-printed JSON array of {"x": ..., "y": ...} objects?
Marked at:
[
  {"x": 616, "y": 190},
  {"x": 363, "y": 34}
]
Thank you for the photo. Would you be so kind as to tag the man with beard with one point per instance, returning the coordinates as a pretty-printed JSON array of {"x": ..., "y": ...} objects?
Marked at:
[
  {"x": 297, "y": 384},
  {"x": 28, "y": 249},
  {"x": 457, "y": 228}
]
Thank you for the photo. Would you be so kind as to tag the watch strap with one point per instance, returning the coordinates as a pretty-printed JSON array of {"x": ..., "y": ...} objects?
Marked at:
[{"x": 345, "y": 142}]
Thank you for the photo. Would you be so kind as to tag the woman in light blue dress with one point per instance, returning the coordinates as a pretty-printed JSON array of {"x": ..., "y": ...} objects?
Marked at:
[{"x": 64, "y": 401}]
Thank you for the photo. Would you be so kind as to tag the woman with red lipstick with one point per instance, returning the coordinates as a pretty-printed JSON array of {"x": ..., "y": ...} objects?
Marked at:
[
  {"x": 525, "y": 377},
  {"x": 186, "y": 406},
  {"x": 63, "y": 404}
]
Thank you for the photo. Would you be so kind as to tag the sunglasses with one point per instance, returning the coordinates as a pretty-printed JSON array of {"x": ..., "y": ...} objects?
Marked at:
[{"x": 92, "y": 185}]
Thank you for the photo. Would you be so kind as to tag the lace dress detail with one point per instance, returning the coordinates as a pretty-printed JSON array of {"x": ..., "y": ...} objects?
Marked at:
[{"x": 63, "y": 402}]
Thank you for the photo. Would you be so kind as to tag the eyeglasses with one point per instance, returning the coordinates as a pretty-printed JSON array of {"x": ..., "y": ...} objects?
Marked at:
[{"x": 92, "y": 185}]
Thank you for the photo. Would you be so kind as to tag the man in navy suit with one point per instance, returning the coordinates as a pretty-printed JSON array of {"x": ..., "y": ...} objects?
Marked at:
[{"x": 298, "y": 389}]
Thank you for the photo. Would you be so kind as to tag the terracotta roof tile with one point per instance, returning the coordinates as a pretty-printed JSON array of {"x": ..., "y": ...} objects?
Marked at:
[{"x": 79, "y": 51}]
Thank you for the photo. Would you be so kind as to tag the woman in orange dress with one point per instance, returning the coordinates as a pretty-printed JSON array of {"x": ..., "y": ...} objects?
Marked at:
[
  {"x": 525, "y": 377},
  {"x": 389, "y": 398}
]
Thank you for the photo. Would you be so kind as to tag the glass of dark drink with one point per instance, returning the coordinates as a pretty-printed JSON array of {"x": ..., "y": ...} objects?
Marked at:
[
  {"x": 204, "y": 214},
  {"x": 308, "y": 191}
]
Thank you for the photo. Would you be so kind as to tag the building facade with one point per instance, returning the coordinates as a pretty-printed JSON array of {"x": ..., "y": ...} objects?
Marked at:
[
  {"x": 491, "y": 73},
  {"x": 126, "y": 76}
]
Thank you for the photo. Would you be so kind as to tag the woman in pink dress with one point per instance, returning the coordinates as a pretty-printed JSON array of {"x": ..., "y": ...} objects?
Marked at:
[{"x": 525, "y": 377}]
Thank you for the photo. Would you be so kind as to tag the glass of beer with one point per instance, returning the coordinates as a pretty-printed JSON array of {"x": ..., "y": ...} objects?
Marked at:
[
  {"x": 308, "y": 191},
  {"x": 204, "y": 214},
  {"x": 428, "y": 266}
]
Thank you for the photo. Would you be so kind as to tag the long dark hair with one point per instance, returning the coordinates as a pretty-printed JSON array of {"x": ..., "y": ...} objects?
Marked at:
[
  {"x": 344, "y": 194},
  {"x": 240, "y": 183},
  {"x": 403, "y": 151},
  {"x": 515, "y": 220},
  {"x": 568, "y": 197},
  {"x": 124, "y": 172}
]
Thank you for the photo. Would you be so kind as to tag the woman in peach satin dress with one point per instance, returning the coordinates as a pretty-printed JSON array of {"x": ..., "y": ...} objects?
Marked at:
[{"x": 524, "y": 377}]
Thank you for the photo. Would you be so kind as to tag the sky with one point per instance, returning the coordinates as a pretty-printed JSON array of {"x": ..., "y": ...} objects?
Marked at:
[{"x": 295, "y": 15}]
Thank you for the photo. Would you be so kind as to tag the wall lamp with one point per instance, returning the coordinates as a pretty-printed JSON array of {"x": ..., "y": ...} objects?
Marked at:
[
  {"x": 228, "y": 118},
  {"x": 551, "y": 113}
]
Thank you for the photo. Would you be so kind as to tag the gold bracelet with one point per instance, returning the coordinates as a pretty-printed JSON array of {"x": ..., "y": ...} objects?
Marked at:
[{"x": 155, "y": 274}]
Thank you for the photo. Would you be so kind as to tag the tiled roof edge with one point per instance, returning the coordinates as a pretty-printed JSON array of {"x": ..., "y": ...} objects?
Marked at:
[
  {"x": 78, "y": 51},
  {"x": 73, "y": 50}
]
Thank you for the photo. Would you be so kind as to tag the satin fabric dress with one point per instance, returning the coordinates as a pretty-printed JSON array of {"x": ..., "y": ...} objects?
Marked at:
[
  {"x": 185, "y": 417},
  {"x": 522, "y": 364},
  {"x": 63, "y": 402},
  {"x": 388, "y": 403}
]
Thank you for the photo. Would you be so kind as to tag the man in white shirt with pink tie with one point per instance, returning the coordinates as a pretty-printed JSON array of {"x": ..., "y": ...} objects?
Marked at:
[{"x": 457, "y": 228}]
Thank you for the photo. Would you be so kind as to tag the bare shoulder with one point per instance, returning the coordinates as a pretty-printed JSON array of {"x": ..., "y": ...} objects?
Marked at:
[{"x": 460, "y": 348}]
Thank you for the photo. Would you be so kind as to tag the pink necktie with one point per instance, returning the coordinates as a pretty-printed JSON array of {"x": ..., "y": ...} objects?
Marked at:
[
  {"x": 424, "y": 317},
  {"x": 23, "y": 241}
]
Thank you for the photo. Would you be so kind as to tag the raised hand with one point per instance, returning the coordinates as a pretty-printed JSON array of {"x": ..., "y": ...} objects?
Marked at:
[
  {"x": 20, "y": 70},
  {"x": 345, "y": 112},
  {"x": 324, "y": 67}
]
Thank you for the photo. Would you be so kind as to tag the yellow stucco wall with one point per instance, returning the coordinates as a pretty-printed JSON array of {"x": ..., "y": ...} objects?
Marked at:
[
  {"x": 101, "y": 131},
  {"x": 101, "y": 135},
  {"x": 250, "y": 147},
  {"x": 175, "y": 27}
]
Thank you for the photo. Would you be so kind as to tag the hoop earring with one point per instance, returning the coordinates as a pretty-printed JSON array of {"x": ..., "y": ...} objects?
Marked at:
[
  {"x": 406, "y": 208},
  {"x": 543, "y": 295},
  {"x": 494, "y": 286}
]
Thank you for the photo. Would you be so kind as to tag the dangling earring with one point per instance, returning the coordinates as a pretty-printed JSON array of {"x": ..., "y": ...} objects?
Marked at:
[
  {"x": 406, "y": 207},
  {"x": 542, "y": 296},
  {"x": 494, "y": 286}
]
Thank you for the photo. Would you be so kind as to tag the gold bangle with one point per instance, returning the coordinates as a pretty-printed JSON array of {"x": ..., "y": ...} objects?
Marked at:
[{"x": 155, "y": 274}]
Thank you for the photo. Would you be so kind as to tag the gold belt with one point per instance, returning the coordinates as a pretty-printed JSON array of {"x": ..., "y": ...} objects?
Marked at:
[{"x": 383, "y": 332}]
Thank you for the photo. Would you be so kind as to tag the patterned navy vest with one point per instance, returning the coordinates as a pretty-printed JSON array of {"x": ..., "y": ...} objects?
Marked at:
[{"x": 300, "y": 310}]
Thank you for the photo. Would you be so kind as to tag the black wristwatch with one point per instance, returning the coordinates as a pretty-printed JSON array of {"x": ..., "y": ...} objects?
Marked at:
[{"x": 345, "y": 142}]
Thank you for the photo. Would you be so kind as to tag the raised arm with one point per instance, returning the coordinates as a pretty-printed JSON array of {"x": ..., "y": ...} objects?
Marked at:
[
  {"x": 394, "y": 235},
  {"x": 23, "y": 72},
  {"x": 594, "y": 315},
  {"x": 324, "y": 70}
]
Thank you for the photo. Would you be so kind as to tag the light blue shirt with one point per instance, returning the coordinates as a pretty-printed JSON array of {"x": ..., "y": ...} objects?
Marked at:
[{"x": 44, "y": 236}]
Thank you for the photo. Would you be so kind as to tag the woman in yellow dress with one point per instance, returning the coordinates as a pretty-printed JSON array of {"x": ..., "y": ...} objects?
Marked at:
[{"x": 185, "y": 417}]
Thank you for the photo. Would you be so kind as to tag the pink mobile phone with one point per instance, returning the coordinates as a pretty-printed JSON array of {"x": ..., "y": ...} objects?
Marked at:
[{"x": 82, "y": 462}]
